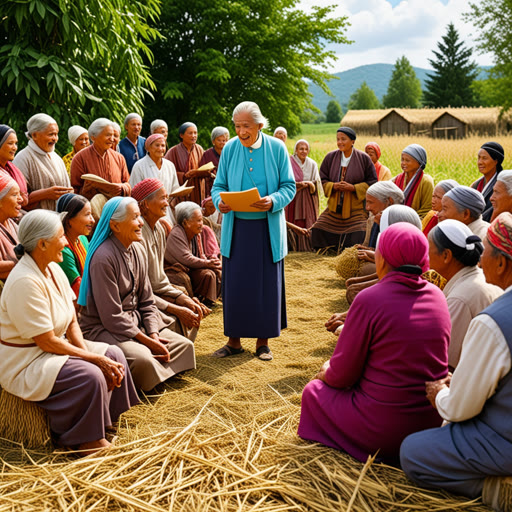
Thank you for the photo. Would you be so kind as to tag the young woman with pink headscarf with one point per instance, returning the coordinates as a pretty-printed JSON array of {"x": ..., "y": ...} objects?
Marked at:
[{"x": 372, "y": 149}]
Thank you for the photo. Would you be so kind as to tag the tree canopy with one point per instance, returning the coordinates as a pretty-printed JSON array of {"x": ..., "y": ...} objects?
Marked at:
[
  {"x": 333, "y": 112},
  {"x": 75, "y": 60},
  {"x": 493, "y": 19},
  {"x": 364, "y": 99},
  {"x": 454, "y": 73},
  {"x": 404, "y": 89},
  {"x": 216, "y": 54}
]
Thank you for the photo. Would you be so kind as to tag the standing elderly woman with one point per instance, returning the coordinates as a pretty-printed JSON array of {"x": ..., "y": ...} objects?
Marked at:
[
  {"x": 190, "y": 245},
  {"x": 154, "y": 165},
  {"x": 490, "y": 158},
  {"x": 431, "y": 219},
  {"x": 281, "y": 133},
  {"x": 466, "y": 205},
  {"x": 219, "y": 136},
  {"x": 371, "y": 394},
  {"x": 346, "y": 175},
  {"x": 372, "y": 149},
  {"x": 78, "y": 223},
  {"x": 159, "y": 126},
  {"x": 186, "y": 157},
  {"x": 84, "y": 387},
  {"x": 119, "y": 308},
  {"x": 132, "y": 146},
  {"x": 501, "y": 199},
  {"x": 253, "y": 244},
  {"x": 417, "y": 185},
  {"x": 117, "y": 136},
  {"x": 454, "y": 252},
  {"x": 44, "y": 170},
  {"x": 79, "y": 139},
  {"x": 100, "y": 159},
  {"x": 8, "y": 148}
]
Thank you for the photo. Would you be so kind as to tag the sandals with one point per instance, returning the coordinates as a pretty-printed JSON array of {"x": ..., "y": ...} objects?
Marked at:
[
  {"x": 264, "y": 353},
  {"x": 227, "y": 351}
]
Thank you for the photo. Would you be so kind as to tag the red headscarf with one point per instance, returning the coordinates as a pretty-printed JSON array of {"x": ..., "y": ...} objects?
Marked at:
[
  {"x": 499, "y": 233},
  {"x": 145, "y": 188}
]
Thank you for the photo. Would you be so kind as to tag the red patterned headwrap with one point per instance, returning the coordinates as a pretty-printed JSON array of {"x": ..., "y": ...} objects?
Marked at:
[
  {"x": 145, "y": 188},
  {"x": 152, "y": 139},
  {"x": 499, "y": 233},
  {"x": 375, "y": 147}
]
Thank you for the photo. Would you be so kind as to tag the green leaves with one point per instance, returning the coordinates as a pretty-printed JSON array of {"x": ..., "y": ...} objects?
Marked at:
[{"x": 404, "y": 89}]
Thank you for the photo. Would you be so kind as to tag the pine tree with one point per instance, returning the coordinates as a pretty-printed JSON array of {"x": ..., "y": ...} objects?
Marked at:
[
  {"x": 364, "y": 99},
  {"x": 454, "y": 72},
  {"x": 404, "y": 89},
  {"x": 333, "y": 113}
]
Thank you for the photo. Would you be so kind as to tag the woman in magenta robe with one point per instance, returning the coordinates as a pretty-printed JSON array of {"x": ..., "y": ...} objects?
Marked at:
[{"x": 371, "y": 394}]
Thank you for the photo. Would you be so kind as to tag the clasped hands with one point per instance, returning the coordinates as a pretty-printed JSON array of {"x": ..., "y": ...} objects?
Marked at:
[
  {"x": 343, "y": 186},
  {"x": 434, "y": 387}
]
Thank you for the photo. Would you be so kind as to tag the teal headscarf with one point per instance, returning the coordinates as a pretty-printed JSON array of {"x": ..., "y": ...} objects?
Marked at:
[{"x": 101, "y": 233}]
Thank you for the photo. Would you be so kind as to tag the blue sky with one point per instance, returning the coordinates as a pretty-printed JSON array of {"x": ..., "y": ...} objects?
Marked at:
[{"x": 385, "y": 30}]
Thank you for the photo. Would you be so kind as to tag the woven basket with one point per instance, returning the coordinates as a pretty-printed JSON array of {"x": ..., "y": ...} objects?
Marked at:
[{"x": 347, "y": 264}]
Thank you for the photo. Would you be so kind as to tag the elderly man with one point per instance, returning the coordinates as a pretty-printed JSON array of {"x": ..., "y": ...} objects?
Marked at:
[
  {"x": 501, "y": 198},
  {"x": 132, "y": 146},
  {"x": 466, "y": 205},
  {"x": 472, "y": 455},
  {"x": 100, "y": 159}
]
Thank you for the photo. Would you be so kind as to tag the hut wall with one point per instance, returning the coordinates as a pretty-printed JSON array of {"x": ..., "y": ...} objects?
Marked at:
[
  {"x": 394, "y": 124},
  {"x": 448, "y": 127}
]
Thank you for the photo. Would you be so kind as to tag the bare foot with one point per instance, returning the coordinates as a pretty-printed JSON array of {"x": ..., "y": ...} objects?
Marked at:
[{"x": 93, "y": 447}]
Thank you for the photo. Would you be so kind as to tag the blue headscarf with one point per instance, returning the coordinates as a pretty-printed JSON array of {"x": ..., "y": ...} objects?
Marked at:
[
  {"x": 101, "y": 233},
  {"x": 418, "y": 153}
]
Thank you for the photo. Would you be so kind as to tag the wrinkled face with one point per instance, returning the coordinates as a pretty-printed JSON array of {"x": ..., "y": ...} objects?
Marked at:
[
  {"x": 486, "y": 165},
  {"x": 133, "y": 128},
  {"x": 157, "y": 149},
  {"x": 449, "y": 211},
  {"x": 194, "y": 225},
  {"x": 220, "y": 142},
  {"x": 489, "y": 262},
  {"x": 158, "y": 204},
  {"x": 344, "y": 142},
  {"x": 302, "y": 151},
  {"x": 408, "y": 163},
  {"x": 189, "y": 138},
  {"x": 437, "y": 196},
  {"x": 281, "y": 135},
  {"x": 82, "y": 223},
  {"x": 47, "y": 139},
  {"x": 53, "y": 247},
  {"x": 436, "y": 259},
  {"x": 105, "y": 140},
  {"x": 117, "y": 138},
  {"x": 163, "y": 130},
  {"x": 82, "y": 142},
  {"x": 130, "y": 229},
  {"x": 9, "y": 148},
  {"x": 10, "y": 204},
  {"x": 374, "y": 205},
  {"x": 501, "y": 200},
  {"x": 372, "y": 154},
  {"x": 246, "y": 128}
]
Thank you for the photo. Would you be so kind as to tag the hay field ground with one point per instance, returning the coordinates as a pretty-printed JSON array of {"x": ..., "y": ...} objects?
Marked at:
[{"x": 223, "y": 437}]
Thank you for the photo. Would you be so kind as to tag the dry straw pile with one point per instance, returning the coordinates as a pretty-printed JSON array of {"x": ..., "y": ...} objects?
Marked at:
[{"x": 223, "y": 438}]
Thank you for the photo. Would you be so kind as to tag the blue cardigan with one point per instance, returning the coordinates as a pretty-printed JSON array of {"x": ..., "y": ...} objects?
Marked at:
[
  {"x": 281, "y": 188},
  {"x": 128, "y": 151}
]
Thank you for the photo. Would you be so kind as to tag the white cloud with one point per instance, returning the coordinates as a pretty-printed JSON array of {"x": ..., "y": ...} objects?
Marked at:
[{"x": 382, "y": 33}]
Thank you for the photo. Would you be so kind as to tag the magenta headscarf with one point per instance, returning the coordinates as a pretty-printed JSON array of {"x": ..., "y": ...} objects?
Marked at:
[{"x": 403, "y": 244}]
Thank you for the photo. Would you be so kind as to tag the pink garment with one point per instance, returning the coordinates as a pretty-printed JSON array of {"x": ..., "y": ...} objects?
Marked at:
[
  {"x": 210, "y": 245},
  {"x": 375, "y": 395}
]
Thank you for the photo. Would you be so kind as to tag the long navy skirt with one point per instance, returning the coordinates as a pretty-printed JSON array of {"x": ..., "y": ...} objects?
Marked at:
[{"x": 253, "y": 293}]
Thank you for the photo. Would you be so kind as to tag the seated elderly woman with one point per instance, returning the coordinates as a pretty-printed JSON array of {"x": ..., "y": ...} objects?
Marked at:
[
  {"x": 10, "y": 207},
  {"x": 417, "y": 185},
  {"x": 466, "y": 205},
  {"x": 8, "y": 148},
  {"x": 219, "y": 137},
  {"x": 79, "y": 139},
  {"x": 84, "y": 387},
  {"x": 346, "y": 175},
  {"x": 117, "y": 299},
  {"x": 431, "y": 219},
  {"x": 187, "y": 312},
  {"x": 132, "y": 147},
  {"x": 101, "y": 160},
  {"x": 281, "y": 133},
  {"x": 370, "y": 395},
  {"x": 44, "y": 170},
  {"x": 501, "y": 198},
  {"x": 372, "y": 149},
  {"x": 78, "y": 223},
  {"x": 472, "y": 455},
  {"x": 454, "y": 252},
  {"x": 195, "y": 247}
]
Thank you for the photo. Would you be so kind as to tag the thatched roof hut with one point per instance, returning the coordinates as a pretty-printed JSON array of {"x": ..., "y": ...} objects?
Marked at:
[
  {"x": 365, "y": 121},
  {"x": 409, "y": 121}
]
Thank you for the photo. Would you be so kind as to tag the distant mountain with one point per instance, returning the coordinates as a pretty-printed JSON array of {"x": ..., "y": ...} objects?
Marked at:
[{"x": 377, "y": 77}]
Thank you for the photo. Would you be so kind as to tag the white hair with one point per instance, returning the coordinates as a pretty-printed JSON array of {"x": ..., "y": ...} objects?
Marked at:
[
  {"x": 280, "y": 129},
  {"x": 116, "y": 127},
  {"x": 98, "y": 125},
  {"x": 130, "y": 116},
  {"x": 399, "y": 213},
  {"x": 253, "y": 109},
  {"x": 157, "y": 123},
  {"x": 384, "y": 191},
  {"x": 447, "y": 185},
  {"x": 185, "y": 210},
  {"x": 218, "y": 131},
  {"x": 38, "y": 225},
  {"x": 506, "y": 178},
  {"x": 120, "y": 212},
  {"x": 38, "y": 123}
]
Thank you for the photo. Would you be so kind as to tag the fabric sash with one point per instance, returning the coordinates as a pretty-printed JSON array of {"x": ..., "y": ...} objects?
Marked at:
[
  {"x": 297, "y": 171},
  {"x": 412, "y": 186},
  {"x": 79, "y": 252}
]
